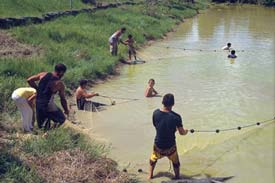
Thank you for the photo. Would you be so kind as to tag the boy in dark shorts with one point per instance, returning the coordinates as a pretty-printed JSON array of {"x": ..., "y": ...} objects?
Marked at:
[
  {"x": 166, "y": 123},
  {"x": 131, "y": 49}
]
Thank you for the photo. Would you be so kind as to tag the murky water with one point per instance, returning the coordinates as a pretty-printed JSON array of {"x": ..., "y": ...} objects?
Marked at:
[{"x": 211, "y": 91}]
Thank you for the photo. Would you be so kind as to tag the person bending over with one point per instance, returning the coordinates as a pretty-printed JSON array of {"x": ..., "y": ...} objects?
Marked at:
[
  {"x": 166, "y": 123},
  {"x": 115, "y": 39},
  {"x": 24, "y": 99},
  {"x": 49, "y": 84}
]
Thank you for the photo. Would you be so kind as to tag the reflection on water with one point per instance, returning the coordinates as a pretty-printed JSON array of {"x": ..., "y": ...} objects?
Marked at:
[{"x": 211, "y": 91}]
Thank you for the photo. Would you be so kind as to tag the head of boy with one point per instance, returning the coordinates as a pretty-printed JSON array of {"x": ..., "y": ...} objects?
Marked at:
[
  {"x": 130, "y": 36},
  {"x": 228, "y": 45},
  {"x": 233, "y": 52},
  {"x": 60, "y": 70},
  {"x": 168, "y": 100},
  {"x": 83, "y": 83},
  {"x": 151, "y": 82},
  {"x": 123, "y": 29}
]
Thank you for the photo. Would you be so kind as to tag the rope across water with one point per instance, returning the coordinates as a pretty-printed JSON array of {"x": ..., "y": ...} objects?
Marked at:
[
  {"x": 234, "y": 128},
  {"x": 193, "y": 49}
]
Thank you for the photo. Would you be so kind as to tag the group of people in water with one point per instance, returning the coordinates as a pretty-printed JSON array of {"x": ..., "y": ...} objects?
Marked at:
[
  {"x": 45, "y": 85},
  {"x": 232, "y": 51}
]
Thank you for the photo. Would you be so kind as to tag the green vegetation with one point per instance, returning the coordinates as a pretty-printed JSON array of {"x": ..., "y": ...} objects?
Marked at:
[
  {"x": 262, "y": 2},
  {"x": 13, "y": 170},
  {"x": 62, "y": 139},
  {"x": 16, "y": 8},
  {"x": 81, "y": 42}
]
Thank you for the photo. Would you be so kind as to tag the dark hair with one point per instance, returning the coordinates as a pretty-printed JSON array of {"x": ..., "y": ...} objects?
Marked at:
[
  {"x": 228, "y": 44},
  {"x": 60, "y": 68},
  {"x": 151, "y": 80},
  {"x": 168, "y": 100},
  {"x": 130, "y": 36},
  {"x": 123, "y": 29},
  {"x": 83, "y": 82},
  {"x": 233, "y": 52}
]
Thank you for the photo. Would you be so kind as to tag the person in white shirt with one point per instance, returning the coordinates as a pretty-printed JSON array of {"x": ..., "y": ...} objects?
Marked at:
[
  {"x": 24, "y": 99},
  {"x": 115, "y": 39},
  {"x": 227, "y": 47}
]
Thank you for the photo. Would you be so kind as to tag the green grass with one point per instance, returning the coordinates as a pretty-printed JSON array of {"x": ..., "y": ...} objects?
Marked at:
[
  {"x": 13, "y": 170},
  {"x": 81, "y": 42},
  {"x": 62, "y": 139},
  {"x": 17, "y": 8}
]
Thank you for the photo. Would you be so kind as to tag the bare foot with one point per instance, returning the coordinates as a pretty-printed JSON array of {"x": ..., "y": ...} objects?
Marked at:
[{"x": 150, "y": 177}]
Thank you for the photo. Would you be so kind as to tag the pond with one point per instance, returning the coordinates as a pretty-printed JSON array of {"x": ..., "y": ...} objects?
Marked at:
[{"x": 211, "y": 92}]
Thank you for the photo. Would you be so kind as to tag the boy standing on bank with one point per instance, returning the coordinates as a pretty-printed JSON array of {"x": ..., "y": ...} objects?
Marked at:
[
  {"x": 131, "y": 49},
  {"x": 166, "y": 123}
]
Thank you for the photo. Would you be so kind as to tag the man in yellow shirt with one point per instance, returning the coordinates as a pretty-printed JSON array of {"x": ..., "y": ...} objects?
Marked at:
[{"x": 24, "y": 100}]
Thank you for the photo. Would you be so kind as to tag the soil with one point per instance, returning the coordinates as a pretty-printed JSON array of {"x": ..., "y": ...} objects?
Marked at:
[
  {"x": 10, "y": 47},
  {"x": 76, "y": 166}
]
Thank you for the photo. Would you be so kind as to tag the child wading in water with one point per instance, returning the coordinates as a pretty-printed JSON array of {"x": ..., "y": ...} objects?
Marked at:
[
  {"x": 232, "y": 54},
  {"x": 131, "y": 49},
  {"x": 150, "y": 91}
]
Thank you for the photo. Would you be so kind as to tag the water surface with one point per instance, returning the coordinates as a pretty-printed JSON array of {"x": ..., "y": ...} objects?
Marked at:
[{"x": 211, "y": 92}]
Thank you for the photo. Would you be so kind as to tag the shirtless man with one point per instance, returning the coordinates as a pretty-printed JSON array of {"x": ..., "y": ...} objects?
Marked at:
[
  {"x": 81, "y": 94},
  {"x": 49, "y": 84},
  {"x": 150, "y": 91}
]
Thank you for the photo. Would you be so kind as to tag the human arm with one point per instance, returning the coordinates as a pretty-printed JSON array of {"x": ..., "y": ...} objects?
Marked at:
[
  {"x": 31, "y": 100},
  {"x": 32, "y": 79},
  {"x": 63, "y": 100},
  {"x": 126, "y": 42},
  {"x": 155, "y": 92},
  {"x": 89, "y": 95},
  {"x": 179, "y": 126},
  {"x": 182, "y": 131}
]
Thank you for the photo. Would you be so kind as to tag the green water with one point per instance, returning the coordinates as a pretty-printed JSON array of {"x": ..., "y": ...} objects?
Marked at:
[{"x": 211, "y": 91}]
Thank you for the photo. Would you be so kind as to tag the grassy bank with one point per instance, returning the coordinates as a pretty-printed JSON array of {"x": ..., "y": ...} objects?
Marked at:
[
  {"x": 16, "y": 8},
  {"x": 269, "y": 3},
  {"x": 62, "y": 155},
  {"x": 80, "y": 42}
]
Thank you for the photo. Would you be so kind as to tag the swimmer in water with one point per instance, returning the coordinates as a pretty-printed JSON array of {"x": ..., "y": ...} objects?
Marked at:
[
  {"x": 232, "y": 54},
  {"x": 150, "y": 91},
  {"x": 227, "y": 47}
]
